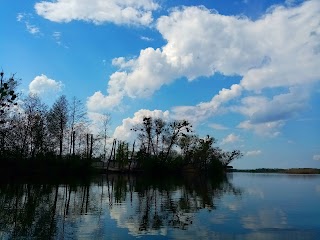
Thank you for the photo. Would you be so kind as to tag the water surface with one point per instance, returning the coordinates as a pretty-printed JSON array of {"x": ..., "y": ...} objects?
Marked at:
[{"x": 240, "y": 206}]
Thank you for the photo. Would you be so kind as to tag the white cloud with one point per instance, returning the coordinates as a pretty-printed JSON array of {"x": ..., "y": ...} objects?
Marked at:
[
  {"x": 267, "y": 116},
  {"x": 32, "y": 28},
  {"x": 43, "y": 85},
  {"x": 123, "y": 131},
  {"x": 253, "y": 153},
  {"x": 291, "y": 2},
  {"x": 281, "y": 49},
  {"x": 217, "y": 126},
  {"x": 20, "y": 17},
  {"x": 290, "y": 46},
  {"x": 231, "y": 138},
  {"x": 272, "y": 51},
  {"x": 56, "y": 35},
  {"x": 97, "y": 122},
  {"x": 146, "y": 38},
  {"x": 206, "y": 109},
  {"x": 250, "y": 105},
  {"x": 95, "y": 117},
  {"x": 98, "y": 11},
  {"x": 316, "y": 157},
  {"x": 269, "y": 129},
  {"x": 150, "y": 74},
  {"x": 99, "y": 102},
  {"x": 283, "y": 106}
]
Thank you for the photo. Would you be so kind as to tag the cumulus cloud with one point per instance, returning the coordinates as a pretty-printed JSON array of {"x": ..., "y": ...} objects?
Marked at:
[
  {"x": 98, "y": 11},
  {"x": 266, "y": 116},
  {"x": 204, "y": 110},
  {"x": 260, "y": 109},
  {"x": 282, "y": 106},
  {"x": 231, "y": 138},
  {"x": 43, "y": 85},
  {"x": 269, "y": 129},
  {"x": 316, "y": 157},
  {"x": 280, "y": 49},
  {"x": 99, "y": 102},
  {"x": 253, "y": 153},
  {"x": 123, "y": 131},
  {"x": 271, "y": 51}
]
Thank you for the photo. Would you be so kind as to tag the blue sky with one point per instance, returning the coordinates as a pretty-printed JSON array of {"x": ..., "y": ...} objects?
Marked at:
[{"x": 246, "y": 72}]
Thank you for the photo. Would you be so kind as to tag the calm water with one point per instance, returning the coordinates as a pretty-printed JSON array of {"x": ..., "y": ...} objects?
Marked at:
[{"x": 241, "y": 206}]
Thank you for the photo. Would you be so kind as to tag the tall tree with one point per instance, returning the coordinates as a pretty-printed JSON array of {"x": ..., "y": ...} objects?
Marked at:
[
  {"x": 77, "y": 115},
  {"x": 103, "y": 124},
  {"x": 7, "y": 101},
  {"x": 145, "y": 133},
  {"x": 7, "y": 95},
  {"x": 35, "y": 114},
  {"x": 176, "y": 129},
  {"x": 160, "y": 128},
  {"x": 57, "y": 120}
]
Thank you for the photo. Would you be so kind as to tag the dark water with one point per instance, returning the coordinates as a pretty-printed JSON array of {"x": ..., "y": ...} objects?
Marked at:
[{"x": 241, "y": 206}]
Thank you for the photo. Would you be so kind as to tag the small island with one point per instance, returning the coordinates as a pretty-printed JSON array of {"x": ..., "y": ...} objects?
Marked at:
[{"x": 57, "y": 141}]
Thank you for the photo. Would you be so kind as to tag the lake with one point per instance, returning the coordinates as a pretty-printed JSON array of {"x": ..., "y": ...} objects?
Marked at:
[{"x": 238, "y": 206}]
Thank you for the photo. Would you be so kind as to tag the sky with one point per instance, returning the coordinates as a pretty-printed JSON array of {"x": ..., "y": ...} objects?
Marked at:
[{"x": 246, "y": 72}]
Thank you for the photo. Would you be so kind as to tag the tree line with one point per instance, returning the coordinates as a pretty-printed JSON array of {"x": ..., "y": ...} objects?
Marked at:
[
  {"x": 30, "y": 130},
  {"x": 164, "y": 145}
]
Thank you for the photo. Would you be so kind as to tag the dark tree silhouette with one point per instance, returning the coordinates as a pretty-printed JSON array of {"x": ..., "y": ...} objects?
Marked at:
[
  {"x": 57, "y": 120},
  {"x": 7, "y": 95}
]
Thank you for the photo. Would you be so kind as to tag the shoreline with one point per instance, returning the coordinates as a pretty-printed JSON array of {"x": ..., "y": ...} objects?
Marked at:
[{"x": 280, "y": 170}]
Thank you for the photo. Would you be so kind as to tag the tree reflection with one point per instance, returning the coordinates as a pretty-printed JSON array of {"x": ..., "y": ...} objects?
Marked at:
[
  {"x": 52, "y": 211},
  {"x": 174, "y": 203},
  {"x": 27, "y": 210}
]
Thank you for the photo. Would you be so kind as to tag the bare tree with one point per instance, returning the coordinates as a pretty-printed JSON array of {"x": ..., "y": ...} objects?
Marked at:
[
  {"x": 7, "y": 101},
  {"x": 77, "y": 114},
  {"x": 105, "y": 121},
  {"x": 175, "y": 130},
  {"x": 227, "y": 157},
  {"x": 35, "y": 125},
  {"x": 7, "y": 95},
  {"x": 57, "y": 120}
]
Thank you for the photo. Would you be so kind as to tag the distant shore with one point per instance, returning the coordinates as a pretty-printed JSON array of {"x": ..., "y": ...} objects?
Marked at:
[{"x": 280, "y": 170}]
